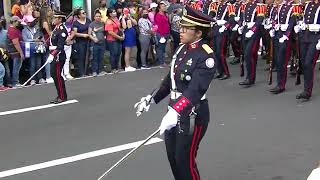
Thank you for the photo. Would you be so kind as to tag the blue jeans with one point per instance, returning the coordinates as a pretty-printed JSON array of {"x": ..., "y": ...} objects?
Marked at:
[
  {"x": 97, "y": 61},
  {"x": 2, "y": 73},
  {"x": 115, "y": 51},
  {"x": 17, "y": 63},
  {"x": 35, "y": 64},
  {"x": 161, "y": 48}
]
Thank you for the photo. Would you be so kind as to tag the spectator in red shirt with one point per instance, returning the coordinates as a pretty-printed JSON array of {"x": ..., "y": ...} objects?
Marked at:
[
  {"x": 161, "y": 20},
  {"x": 14, "y": 48}
]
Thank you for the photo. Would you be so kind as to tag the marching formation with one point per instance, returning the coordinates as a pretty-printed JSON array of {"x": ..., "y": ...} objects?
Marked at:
[{"x": 289, "y": 31}]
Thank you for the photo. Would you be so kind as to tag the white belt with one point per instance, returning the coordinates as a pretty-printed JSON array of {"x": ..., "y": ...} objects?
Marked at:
[
  {"x": 175, "y": 95},
  {"x": 284, "y": 27},
  {"x": 249, "y": 24},
  {"x": 313, "y": 27},
  {"x": 53, "y": 47},
  {"x": 221, "y": 22}
]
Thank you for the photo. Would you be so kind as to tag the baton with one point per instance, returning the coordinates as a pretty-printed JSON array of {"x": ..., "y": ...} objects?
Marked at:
[
  {"x": 128, "y": 154},
  {"x": 47, "y": 62}
]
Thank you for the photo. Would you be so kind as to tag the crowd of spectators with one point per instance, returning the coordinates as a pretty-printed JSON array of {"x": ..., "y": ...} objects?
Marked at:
[{"x": 118, "y": 27}]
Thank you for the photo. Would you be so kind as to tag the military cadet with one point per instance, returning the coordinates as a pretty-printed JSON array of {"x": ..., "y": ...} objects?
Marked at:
[
  {"x": 235, "y": 37},
  {"x": 284, "y": 27},
  {"x": 309, "y": 35},
  {"x": 225, "y": 17},
  {"x": 192, "y": 70},
  {"x": 267, "y": 41},
  {"x": 254, "y": 14},
  {"x": 269, "y": 26},
  {"x": 57, "y": 55},
  {"x": 212, "y": 9}
]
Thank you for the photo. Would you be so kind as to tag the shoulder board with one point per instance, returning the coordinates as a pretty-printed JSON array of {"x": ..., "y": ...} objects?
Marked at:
[{"x": 207, "y": 48}]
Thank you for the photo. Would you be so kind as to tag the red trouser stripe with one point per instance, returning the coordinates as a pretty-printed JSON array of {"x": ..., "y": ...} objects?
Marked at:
[
  {"x": 223, "y": 58},
  {"x": 191, "y": 153},
  {"x": 58, "y": 74}
]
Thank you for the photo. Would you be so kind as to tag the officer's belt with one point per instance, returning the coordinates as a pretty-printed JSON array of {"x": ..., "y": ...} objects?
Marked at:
[
  {"x": 175, "y": 95},
  {"x": 53, "y": 47},
  {"x": 249, "y": 24},
  {"x": 312, "y": 27}
]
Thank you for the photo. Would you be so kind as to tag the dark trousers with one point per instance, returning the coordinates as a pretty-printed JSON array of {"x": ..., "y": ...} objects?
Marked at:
[
  {"x": 251, "y": 47},
  {"x": 236, "y": 44},
  {"x": 283, "y": 57},
  {"x": 176, "y": 39},
  {"x": 97, "y": 61},
  {"x": 182, "y": 146},
  {"x": 220, "y": 46},
  {"x": 82, "y": 54},
  {"x": 308, "y": 57},
  {"x": 56, "y": 68}
]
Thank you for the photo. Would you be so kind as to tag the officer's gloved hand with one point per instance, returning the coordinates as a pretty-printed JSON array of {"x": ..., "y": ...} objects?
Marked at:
[
  {"x": 318, "y": 45},
  {"x": 315, "y": 174},
  {"x": 272, "y": 33},
  {"x": 50, "y": 58},
  {"x": 283, "y": 38},
  {"x": 240, "y": 30},
  {"x": 249, "y": 34},
  {"x": 169, "y": 121},
  {"x": 222, "y": 29},
  {"x": 297, "y": 28},
  {"x": 235, "y": 28},
  {"x": 143, "y": 105}
]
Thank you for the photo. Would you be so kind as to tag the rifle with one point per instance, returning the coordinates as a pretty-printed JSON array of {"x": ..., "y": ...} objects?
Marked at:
[
  {"x": 241, "y": 66},
  {"x": 270, "y": 62}
]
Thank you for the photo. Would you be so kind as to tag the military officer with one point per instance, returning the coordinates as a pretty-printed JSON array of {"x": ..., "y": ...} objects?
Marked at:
[
  {"x": 57, "y": 55},
  {"x": 309, "y": 36},
  {"x": 192, "y": 70},
  {"x": 254, "y": 14}
]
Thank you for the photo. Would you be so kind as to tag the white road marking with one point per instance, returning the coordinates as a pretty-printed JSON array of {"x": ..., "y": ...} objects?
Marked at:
[
  {"x": 75, "y": 158},
  {"x": 290, "y": 65},
  {"x": 37, "y": 108}
]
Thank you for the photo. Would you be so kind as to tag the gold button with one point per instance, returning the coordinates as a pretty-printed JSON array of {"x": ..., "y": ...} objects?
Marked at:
[
  {"x": 309, "y": 12},
  {"x": 309, "y": 17},
  {"x": 310, "y": 9}
]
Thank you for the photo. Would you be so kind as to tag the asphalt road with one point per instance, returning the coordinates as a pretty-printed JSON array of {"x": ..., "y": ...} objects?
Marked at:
[{"x": 253, "y": 135}]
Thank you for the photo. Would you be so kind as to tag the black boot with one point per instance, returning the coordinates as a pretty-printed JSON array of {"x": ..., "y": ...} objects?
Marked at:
[
  {"x": 303, "y": 96},
  {"x": 225, "y": 76},
  {"x": 57, "y": 101},
  {"x": 277, "y": 90},
  {"x": 246, "y": 83}
]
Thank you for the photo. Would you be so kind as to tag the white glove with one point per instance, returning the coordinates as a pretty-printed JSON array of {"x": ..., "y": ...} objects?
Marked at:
[
  {"x": 249, "y": 34},
  {"x": 318, "y": 45},
  {"x": 268, "y": 26},
  {"x": 315, "y": 174},
  {"x": 283, "y": 38},
  {"x": 143, "y": 105},
  {"x": 240, "y": 30},
  {"x": 169, "y": 121},
  {"x": 50, "y": 59},
  {"x": 235, "y": 28},
  {"x": 272, "y": 33},
  {"x": 222, "y": 29},
  {"x": 297, "y": 28},
  {"x": 236, "y": 19}
]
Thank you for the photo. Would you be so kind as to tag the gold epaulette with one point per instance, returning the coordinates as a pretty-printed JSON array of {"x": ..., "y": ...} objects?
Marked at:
[{"x": 207, "y": 48}]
